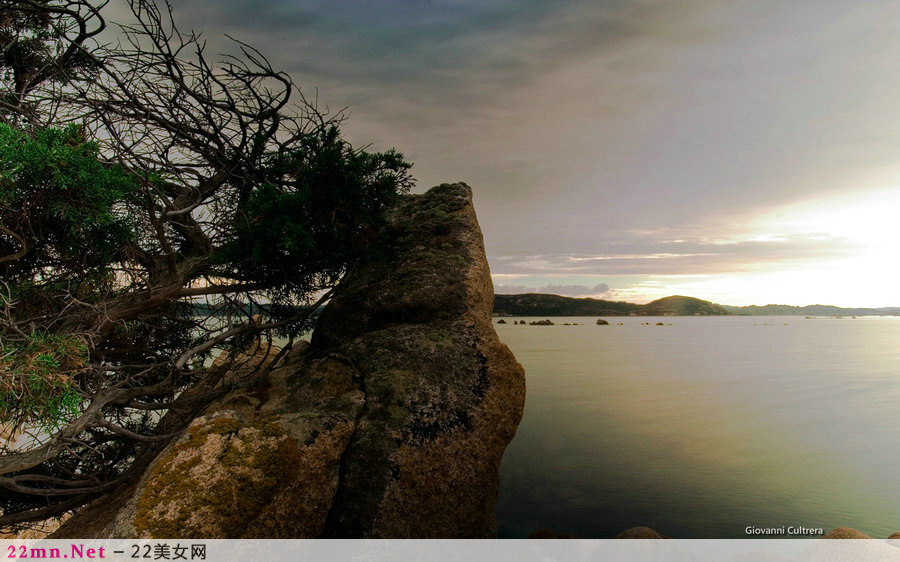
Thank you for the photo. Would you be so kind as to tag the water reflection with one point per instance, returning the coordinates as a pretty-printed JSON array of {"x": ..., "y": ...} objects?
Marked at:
[{"x": 704, "y": 427}]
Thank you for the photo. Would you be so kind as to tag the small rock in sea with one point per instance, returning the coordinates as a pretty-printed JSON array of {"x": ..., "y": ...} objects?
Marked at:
[
  {"x": 550, "y": 534},
  {"x": 501, "y": 321},
  {"x": 845, "y": 533},
  {"x": 894, "y": 539},
  {"x": 660, "y": 324},
  {"x": 639, "y": 533},
  {"x": 602, "y": 322},
  {"x": 542, "y": 323}
]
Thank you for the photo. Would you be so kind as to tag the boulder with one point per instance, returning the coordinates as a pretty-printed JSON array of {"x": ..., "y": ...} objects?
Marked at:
[
  {"x": 640, "y": 533},
  {"x": 602, "y": 322},
  {"x": 845, "y": 533},
  {"x": 391, "y": 423},
  {"x": 868, "y": 550}
]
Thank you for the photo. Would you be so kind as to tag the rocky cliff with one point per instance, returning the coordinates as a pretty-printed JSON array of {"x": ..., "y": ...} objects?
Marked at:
[{"x": 391, "y": 423}]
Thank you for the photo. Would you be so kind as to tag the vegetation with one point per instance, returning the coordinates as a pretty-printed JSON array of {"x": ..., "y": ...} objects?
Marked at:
[
  {"x": 683, "y": 306},
  {"x": 38, "y": 386},
  {"x": 814, "y": 309},
  {"x": 154, "y": 206},
  {"x": 534, "y": 304}
]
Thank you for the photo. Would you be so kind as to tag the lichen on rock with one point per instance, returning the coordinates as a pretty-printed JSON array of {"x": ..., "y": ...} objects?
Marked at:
[{"x": 229, "y": 471}]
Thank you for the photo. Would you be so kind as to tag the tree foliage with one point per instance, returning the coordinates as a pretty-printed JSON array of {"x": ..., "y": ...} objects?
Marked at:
[
  {"x": 44, "y": 41},
  {"x": 151, "y": 202},
  {"x": 58, "y": 206}
]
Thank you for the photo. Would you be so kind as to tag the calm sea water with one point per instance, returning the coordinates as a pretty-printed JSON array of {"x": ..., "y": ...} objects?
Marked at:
[{"x": 705, "y": 426}]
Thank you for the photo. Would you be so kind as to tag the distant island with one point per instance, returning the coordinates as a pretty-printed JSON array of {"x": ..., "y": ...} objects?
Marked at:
[{"x": 541, "y": 304}]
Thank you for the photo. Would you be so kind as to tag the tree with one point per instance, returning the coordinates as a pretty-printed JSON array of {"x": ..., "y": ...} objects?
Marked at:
[
  {"x": 43, "y": 42},
  {"x": 151, "y": 204}
]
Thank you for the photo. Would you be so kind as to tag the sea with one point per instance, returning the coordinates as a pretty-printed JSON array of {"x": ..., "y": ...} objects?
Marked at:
[{"x": 705, "y": 427}]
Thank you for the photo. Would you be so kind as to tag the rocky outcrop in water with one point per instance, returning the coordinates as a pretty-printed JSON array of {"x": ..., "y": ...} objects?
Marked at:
[{"x": 392, "y": 423}]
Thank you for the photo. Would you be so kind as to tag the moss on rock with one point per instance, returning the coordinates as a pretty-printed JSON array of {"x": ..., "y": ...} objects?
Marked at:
[{"x": 214, "y": 483}]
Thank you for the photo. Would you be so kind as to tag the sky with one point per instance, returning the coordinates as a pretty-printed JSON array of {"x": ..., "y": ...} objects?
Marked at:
[{"x": 744, "y": 152}]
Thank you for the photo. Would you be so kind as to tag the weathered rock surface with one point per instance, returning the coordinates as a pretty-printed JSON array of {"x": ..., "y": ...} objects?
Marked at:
[{"x": 392, "y": 423}]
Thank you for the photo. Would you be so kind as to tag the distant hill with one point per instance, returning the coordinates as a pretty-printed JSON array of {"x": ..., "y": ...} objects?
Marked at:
[
  {"x": 683, "y": 306},
  {"x": 541, "y": 304},
  {"x": 811, "y": 310}
]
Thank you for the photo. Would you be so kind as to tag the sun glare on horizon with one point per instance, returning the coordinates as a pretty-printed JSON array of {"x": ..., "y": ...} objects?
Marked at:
[
  {"x": 863, "y": 229},
  {"x": 854, "y": 263}
]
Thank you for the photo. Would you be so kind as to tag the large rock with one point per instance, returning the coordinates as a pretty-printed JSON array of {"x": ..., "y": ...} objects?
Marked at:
[
  {"x": 443, "y": 395},
  {"x": 392, "y": 423}
]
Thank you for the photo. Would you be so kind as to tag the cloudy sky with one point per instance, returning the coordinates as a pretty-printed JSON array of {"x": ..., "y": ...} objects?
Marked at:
[{"x": 745, "y": 152}]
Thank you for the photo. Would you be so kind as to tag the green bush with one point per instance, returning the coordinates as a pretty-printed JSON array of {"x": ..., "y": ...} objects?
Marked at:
[{"x": 37, "y": 385}]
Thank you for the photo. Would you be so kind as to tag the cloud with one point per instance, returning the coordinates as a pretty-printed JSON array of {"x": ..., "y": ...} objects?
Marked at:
[
  {"x": 605, "y": 137},
  {"x": 460, "y": 64},
  {"x": 429, "y": 44},
  {"x": 565, "y": 290},
  {"x": 647, "y": 255}
]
